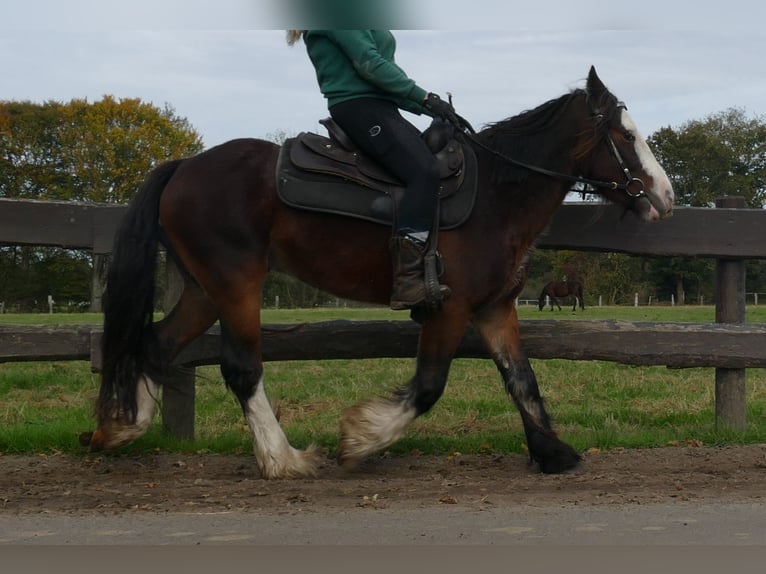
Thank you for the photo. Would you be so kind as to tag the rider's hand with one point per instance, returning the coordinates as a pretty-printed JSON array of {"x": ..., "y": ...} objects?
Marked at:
[{"x": 438, "y": 107}]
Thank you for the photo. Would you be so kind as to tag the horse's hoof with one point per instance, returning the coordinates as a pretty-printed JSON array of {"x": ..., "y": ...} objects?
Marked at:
[
  {"x": 297, "y": 464},
  {"x": 85, "y": 438},
  {"x": 558, "y": 466},
  {"x": 97, "y": 441},
  {"x": 347, "y": 463},
  {"x": 551, "y": 454},
  {"x": 564, "y": 458}
]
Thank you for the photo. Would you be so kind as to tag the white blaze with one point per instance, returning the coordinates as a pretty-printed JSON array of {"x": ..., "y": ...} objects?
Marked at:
[{"x": 661, "y": 193}]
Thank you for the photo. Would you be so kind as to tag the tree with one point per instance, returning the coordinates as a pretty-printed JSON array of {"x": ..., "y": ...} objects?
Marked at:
[
  {"x": 87, "y": 152},
  {"x": 613, "y": 277},
  {"x": 724, "y": 154},
  {"x": 82, "y": 151}
]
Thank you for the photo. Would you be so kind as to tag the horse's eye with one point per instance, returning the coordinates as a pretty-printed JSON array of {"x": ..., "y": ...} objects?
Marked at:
[{"x": 628, "y": 135}]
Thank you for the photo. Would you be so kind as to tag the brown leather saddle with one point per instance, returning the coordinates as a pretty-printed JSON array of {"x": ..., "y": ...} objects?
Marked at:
[{"x": 331, "y": 175}]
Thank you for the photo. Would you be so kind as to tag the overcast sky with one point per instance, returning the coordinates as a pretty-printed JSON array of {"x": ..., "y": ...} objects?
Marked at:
[{"x": 232, "y": 76}]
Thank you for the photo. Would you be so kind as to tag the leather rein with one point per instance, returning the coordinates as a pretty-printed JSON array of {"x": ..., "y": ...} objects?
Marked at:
[{"x": 470, "y": 133}]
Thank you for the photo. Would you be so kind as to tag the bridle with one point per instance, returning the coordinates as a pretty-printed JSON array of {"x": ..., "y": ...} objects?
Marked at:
[
  {"x": 623, "y": 166},
  {"x": 470, "y": 133}
]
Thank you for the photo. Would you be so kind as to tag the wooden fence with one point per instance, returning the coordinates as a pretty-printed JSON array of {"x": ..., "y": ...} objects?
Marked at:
[{"x": 728, "y": 233}]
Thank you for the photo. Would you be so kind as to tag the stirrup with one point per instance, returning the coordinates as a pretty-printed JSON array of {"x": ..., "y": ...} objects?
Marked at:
[
  {"x": 436, "y": 293},
  {"x": 432, "y": 270}
]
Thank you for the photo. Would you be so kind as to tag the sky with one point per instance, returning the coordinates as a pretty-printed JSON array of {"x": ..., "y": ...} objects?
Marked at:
[{"x": 227, "y": 69}]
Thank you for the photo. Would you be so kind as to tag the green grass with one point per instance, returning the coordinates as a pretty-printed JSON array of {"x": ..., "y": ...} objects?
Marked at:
[{"x": 44, "y": 406}]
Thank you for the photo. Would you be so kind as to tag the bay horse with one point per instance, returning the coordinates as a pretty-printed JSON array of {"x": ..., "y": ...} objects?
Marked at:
[
  {"x": 219, "y": 217},
  {"x": 556, "y": 290}
]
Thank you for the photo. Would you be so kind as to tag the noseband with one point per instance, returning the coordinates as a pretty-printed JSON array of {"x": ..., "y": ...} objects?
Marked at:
[
  {"x": 469, "y": 132},
  {"x": 623, "y": 166}
]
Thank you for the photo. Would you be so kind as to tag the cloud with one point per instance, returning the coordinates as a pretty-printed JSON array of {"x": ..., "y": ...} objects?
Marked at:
[
  {"x": 509, "y": 15},
  {"x": 238, "y": 82}
]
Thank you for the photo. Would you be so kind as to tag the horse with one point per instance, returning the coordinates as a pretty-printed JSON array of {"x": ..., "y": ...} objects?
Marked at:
[
  {"x": 556, "y": 290},
  {"x": 218, "y": 215}
]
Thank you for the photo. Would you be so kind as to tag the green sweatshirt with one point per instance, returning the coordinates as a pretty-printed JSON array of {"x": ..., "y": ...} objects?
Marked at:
[{"x": 360, "y": 64}]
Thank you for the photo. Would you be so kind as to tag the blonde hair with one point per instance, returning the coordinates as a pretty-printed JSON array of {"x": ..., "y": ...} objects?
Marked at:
[{"x": 293, "y": 36}]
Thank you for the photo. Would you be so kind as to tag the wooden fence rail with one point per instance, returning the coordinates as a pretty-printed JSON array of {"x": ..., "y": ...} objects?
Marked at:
[
  {"x": 679, "y": 345},
  {"x": 728, "y": 232},
  {"x": 731, "y": 235}
]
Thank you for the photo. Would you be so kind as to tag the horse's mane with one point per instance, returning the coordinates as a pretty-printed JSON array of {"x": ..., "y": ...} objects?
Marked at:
[{"x": 527, "y": 136}]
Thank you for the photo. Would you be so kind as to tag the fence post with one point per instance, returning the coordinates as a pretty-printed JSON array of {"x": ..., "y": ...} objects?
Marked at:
[
  {"x": 178, "y": 390},
  {"x": 730, "y": 404}
]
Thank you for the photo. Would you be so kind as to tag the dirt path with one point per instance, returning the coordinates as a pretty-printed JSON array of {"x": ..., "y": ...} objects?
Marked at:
[{"x": 200, "y": 483}]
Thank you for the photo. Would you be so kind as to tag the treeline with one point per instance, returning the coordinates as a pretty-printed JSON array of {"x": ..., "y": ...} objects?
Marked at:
[
  {"x": 77, "y": 151},
  {"x": 101, "y": 151}
]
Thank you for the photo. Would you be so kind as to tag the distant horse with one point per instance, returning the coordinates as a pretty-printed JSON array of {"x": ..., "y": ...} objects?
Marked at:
[
  {"x": 556, "y": 290},
  {"x": 219, "y": 216}
]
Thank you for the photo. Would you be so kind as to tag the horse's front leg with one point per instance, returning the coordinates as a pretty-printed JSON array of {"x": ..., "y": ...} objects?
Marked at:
[
  {"x": 499, "y": 329},
  {"x": 371, "y": 425}
]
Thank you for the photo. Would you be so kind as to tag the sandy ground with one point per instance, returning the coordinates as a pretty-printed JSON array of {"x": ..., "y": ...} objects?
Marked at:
[{"x": 171, "y": 483}]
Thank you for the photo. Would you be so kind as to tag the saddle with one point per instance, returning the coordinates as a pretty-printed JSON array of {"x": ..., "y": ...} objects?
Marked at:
[{"x": 331, "y": 175}]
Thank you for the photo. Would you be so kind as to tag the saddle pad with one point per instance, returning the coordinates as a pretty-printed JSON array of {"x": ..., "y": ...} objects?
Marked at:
[{"x": 330, "y": 194}]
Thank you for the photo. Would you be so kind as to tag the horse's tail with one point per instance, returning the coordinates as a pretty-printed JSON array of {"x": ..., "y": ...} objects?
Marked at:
[{"x": 128, "y": 335}]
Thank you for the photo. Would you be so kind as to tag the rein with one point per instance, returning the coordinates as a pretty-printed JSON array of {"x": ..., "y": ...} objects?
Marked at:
[{"x": 468, "y": 131}]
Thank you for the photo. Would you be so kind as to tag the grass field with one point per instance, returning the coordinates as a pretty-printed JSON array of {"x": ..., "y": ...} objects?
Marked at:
[{"x": 44, "y": 406}]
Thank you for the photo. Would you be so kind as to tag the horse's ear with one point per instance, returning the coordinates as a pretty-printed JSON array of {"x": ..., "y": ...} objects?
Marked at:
[{"x": 595, "y": 86}]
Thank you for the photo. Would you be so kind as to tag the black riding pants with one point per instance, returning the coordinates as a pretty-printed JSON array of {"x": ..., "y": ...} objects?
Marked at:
[{"x": 378, "y": 128}]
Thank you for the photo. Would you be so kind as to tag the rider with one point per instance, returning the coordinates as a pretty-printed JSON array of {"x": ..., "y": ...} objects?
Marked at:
[{"x": 365, "y": 89}]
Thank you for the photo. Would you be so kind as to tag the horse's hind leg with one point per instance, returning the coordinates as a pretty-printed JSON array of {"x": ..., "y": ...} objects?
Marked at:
[
  {"x": 499, "y": 329},
  {"x": 372, "y": 425},
  {"x": 242, "y": 369},
  {"x": 192, "y": 315}
]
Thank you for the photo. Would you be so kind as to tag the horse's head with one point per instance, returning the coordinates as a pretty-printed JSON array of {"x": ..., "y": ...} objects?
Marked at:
[{"x": 613, "y": 150}]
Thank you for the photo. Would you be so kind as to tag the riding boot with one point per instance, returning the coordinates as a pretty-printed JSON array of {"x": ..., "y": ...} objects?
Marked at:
[{"x": 409, "y": 286}]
